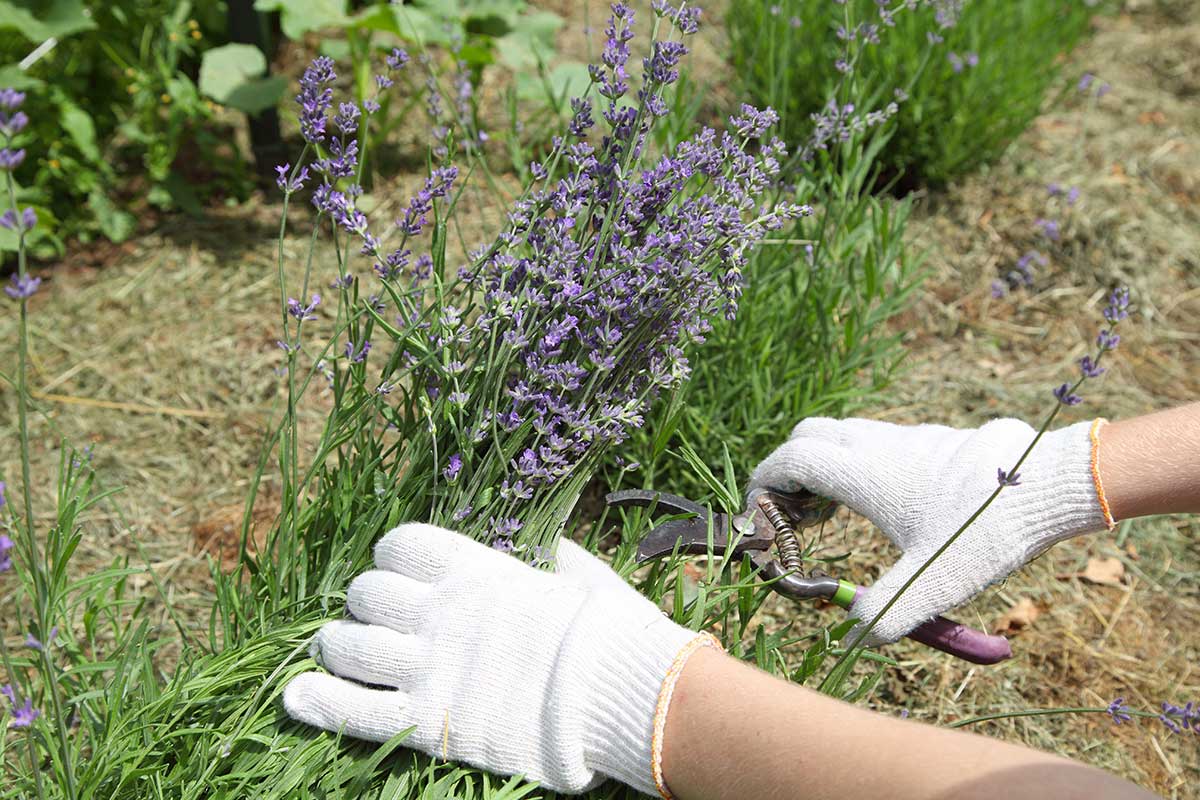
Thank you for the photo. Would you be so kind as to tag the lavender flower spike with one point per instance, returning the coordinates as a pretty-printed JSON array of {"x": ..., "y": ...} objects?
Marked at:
[
  {"x": 1005, "y": 479},
  {"x": 6, "y": 545}
]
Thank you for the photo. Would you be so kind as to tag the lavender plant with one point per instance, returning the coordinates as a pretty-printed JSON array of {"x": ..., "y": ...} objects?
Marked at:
[
  {"x": 973, "y": 74},
  {"x": 510, "y": 378}
]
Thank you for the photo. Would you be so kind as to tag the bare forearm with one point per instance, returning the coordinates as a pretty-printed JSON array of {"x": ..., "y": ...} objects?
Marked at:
[
  {"x": 1151, "y": 464},
  {"x": 735, "y": 732}
]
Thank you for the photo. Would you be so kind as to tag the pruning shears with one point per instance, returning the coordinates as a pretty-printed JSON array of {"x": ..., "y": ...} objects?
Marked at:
[{"x": 773, "y": 519}]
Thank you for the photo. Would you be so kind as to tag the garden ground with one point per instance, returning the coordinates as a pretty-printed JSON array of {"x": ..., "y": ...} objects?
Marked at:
[{"x": 164, "y": 360}]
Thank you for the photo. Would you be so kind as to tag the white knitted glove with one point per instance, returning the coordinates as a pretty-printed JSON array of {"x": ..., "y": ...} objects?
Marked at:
[
  {"x": 920, "y": 483},
  {"x": 554, "y": 676}
]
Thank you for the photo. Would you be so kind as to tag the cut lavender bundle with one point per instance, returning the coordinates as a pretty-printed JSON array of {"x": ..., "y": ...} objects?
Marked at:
[{"x": 508, "y": 377}]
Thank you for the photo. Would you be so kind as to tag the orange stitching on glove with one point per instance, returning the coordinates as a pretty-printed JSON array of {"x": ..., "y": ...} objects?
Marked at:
[
  {"x": 1095, "y": 436},
  {"x": 664, "y": 703}
]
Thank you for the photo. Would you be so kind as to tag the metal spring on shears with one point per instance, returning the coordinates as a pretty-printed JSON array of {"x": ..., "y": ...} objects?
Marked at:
[{"x": 785, "y": 535}]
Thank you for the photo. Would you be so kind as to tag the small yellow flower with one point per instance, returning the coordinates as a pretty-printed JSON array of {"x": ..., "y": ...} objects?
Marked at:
[
  {"x": 54, "y": 163},
  {"x": 173, "y": 36},
  {"x": 131, "y": 88},
  {"x": 196, "y": 35},
  {"x": 193, "y": 24},
  {"x": 130, "y": 72},
  {"x": 166, "y": 98}
]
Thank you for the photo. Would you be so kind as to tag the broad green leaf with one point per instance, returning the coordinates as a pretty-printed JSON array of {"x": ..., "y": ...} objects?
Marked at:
[
  {"x": 531, "y": 41},
  {"x": 116, "y": 225},
  {"x": 298, "y": 17},
  {"x": 233, "y": 75},
  {"x": 561, "y": 83},
  {"x": 78, "y": 125},
  {"x": 426, "y": 27},
  {"x": 14, "y": 77},
  {"x": 58, "y": 19}
]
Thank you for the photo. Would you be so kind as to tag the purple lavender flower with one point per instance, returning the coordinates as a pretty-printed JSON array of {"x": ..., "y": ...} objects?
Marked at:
[
  {"x": 1089, "y": 369},
  {"x": 504, "y": 528},
  {"x": 11, "y": 99},
  {"x": 1103, "y": 89},
  {"x": 1119, "y": 711},
  {"x": 11, "y": 159},
  {"x": 1005, "y": 479},
  {"x": 462, "y": 513},
  {"x": 315, "y": 98},
  {"x": 6, "y": 546},
  {"x": 358, "y": 354},
  {"x": 3, "y": 500},
  {"x": 1049, "y": 229},
  {"x": 22, "y": 287},
  {"x": 1118, "y": 306},
  {"x": 282, "y": 171},
  {"x": 972, "y": 59},
  {"x": 1085, "y": 81},
  {"x": 453, "y": 468},
  {"x": 346, "y": 120},
  {"x": 1072, "y": 195},
  {"x": 303, "y": 312},
  {"x": 1066, "y": 397},
  {"x": 1107, "y": 340},
  {"x": 22, "y": 716},
  {"x": 32, "y": 642},
  {"x": 25, "y": 222},
  {"x": 342, "y": 282},
  {"x": 999, "y": 289},
  {"x": 1178, "y": 719},
  {"x": 504, "y": 545},
  {"x": 437, "y": 185},
  {"x": 956, "y": 62}
]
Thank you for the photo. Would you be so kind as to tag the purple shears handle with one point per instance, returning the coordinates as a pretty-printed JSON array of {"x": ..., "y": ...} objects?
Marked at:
[{"x": 959, "y": 640}]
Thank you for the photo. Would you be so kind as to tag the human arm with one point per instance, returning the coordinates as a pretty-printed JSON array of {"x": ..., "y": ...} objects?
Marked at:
[
  {"x": 1151, "y": 464},
  {"x": 571, "y": 676},
  {"x": 736, "y": 732},
  {"x": 919, "y": 484}
]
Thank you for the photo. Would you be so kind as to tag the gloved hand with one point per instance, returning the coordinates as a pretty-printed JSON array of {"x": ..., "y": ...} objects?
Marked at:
[
  {"x": 920, "y": 483},
  {"x": 560, "y": 676}
]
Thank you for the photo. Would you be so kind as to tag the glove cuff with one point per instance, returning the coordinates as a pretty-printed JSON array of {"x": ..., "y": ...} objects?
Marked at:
[
  {"x": 633, "y": 679},
  {"x": 1067, "y": 498}
]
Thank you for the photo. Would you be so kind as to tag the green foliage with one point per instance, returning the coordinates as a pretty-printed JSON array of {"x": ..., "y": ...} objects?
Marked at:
[
  {"x": 116, "y": 114},
  {"x": 952, "y": 122}
]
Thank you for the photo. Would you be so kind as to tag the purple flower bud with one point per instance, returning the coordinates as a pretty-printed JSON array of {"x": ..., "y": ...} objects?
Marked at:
[
  {"x": 1089, "y": 369},
  {"x": 453, "y": 468},
  {"x": 357, "y": 355},
  {"x": 303, "y": 312},
  {"x": 6, "y": 546},
  {"x": 22, "y": 286},
  {"x": 1064, "y": 395},
  {"x": 11, "y": 159},
  {"x": 1004, "y": 479},
  {"x": 1049, "y": 229},
  {"x": 1107, "y": 340},
  {"x": 11, "y": 99},
  {"x": 1117, "y": 710}
]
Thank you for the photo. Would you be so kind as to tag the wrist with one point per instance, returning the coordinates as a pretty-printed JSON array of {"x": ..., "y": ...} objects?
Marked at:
[
  {"x": 1062, "y": 497},
  {"x": 630, "y": 680}
]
